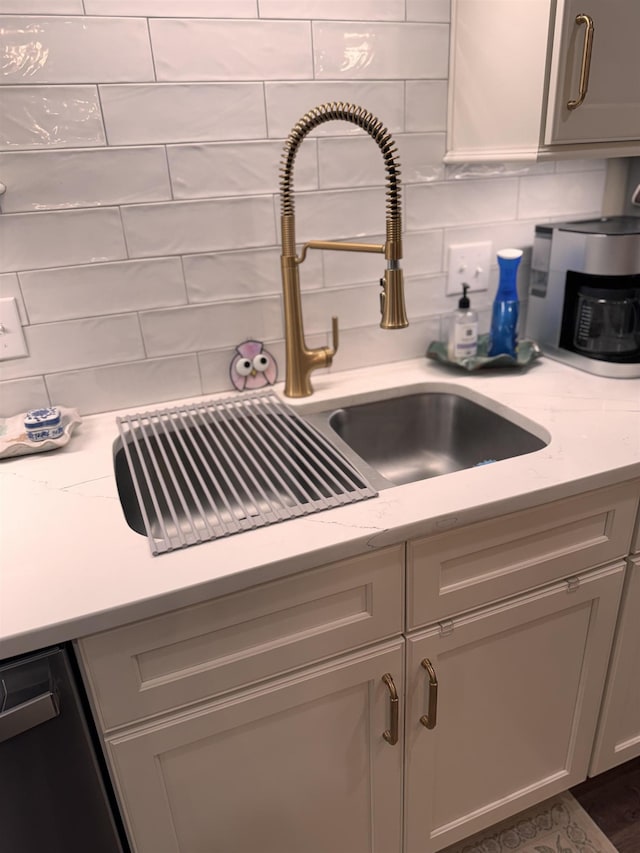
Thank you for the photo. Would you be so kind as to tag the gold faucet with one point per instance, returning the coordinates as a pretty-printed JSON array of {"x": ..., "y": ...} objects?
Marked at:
[{"x": 301, "y": 360}]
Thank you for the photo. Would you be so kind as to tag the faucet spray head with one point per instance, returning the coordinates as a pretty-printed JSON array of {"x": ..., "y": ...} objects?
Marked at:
[{"x": 392, "y": 308}]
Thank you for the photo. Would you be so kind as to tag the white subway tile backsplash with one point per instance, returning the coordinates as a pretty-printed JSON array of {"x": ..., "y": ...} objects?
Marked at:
[
  {"x": 426, "y": 105},
  {"x": 173, "y": 8},
  {"x": 335, "y": 215},
  {"x": 457, "y": 203},
  {"x": 60, "y": 238},
  {"x": 232, "y": 275},
  {"x": 201, "y": 49},
  {"x": 198, "y": 226},
  {"x": 429, "y": 10},
  {"x": 372, "y": 345},
  {"x": 380, "y": 51},
  {"x": 42, "y": 7},
  {"x": 356, "y": 161},
  {"x": 41, "y": 180},
  {"x": 50, "y": 117},
  {"x": 215, "y": 325},
  {"x": 10, "y": 288},
  {"x": 288, "y": 102},
  {"x": 89, "y": 291},
  {"x": 168, "y": 112},
  {"x": 128, "y": 385},
  {"x": 38, "y": 50},
  {"x": 365, "y": 10},
  {"x": 560, "y": 194},
  {"x": 238, "y": 168},
  {"x": 77, "y": 343},
  {"x": 21, "y": 395}
]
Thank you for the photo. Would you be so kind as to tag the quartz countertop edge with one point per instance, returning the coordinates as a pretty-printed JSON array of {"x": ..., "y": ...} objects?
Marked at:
[{"x": 70, "y": 565}]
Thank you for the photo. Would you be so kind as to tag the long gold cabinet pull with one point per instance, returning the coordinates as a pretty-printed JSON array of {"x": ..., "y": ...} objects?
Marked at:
[
  {"x": 429, "y": 719},
  {"x": 391, "y": 734},
  {"x": 585, "y": 66}
]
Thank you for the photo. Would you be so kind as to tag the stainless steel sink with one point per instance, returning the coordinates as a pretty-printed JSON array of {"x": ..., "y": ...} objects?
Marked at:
[{"x": 404, "y": 439}]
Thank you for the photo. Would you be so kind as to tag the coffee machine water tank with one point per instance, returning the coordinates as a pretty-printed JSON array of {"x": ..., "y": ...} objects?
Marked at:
[{"x": 584, "y": 294}]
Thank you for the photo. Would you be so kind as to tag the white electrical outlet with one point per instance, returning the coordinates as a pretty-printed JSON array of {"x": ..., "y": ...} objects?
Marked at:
[
  {"x": 469, "y": 263},
  {"x": 12, "y": 340}
]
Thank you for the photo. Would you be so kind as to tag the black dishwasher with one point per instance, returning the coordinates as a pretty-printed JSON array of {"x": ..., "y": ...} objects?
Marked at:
[{"x": 54, "y": 794}]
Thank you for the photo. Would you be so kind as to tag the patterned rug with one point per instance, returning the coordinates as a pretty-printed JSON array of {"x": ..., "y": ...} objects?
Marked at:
[{"x": 559, "y": 825}]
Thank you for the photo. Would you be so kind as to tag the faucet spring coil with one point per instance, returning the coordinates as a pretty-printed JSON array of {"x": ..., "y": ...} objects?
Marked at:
[{"x": 356, "y": 115}]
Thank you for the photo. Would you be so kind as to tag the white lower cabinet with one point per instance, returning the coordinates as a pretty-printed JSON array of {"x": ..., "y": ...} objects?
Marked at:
[
  {"x": 519, "y": 686},
  {"x": 618, "y": 737},
  {"x": 296, "y": 764}
]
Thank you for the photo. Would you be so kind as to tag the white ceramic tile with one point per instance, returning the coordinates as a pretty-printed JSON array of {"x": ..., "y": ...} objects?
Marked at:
[
  {"x": 41, "y": 7},
  {"x": 501, "y": 235},
  {"x": 77, "y": 343},
  {"x": 355, "y": 306},
  {"x": 365, "y": 10},
  {"x": 10, "y": 287},
  {"x": 199, "y": 49},
  {"x": 567, "y": 194},
  {"x": 21, "y": 395},
  {"x": 426, "y": 104},
  {"x": 216, "y": 325},
  {"x": 50, "y": 117},
  {"x": 372, "y": 345},
  {"x": 88, "y": 291},
  {"x": 173, "y": 8},
  {"x": 356, "y": 161},
  {"x": 229, "y": 275},
  {"x": 579, "y": 165},
  {"x": 335, "y": 215},
  {"x": 41, "y": 180},
  {"x": 238, "y": 168},
  {"x": 74, "y": 50},
  {"x": 509, "y": 169},
  {"x": 380, "y": 51},
  {"x": 61, "y": 237},
  {"x": 288, "y": 102},
  {"x": 198, "y": 226},
  {"x": 422, "y": 254},
  {"x": 434, "y": 11},
  {"x": 126, "y": 386},
  {"x": 195, "y": 112},
  {"x": 460, "y": 202}
]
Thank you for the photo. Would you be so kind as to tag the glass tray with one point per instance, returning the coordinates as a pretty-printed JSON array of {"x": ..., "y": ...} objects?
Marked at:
[{"x": 527, "y": 352}]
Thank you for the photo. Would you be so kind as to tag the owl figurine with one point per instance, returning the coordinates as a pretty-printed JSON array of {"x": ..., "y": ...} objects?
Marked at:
[{"x": 252, "y": 366}]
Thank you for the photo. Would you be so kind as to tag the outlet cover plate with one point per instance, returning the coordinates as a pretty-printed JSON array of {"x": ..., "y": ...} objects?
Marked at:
[
  {"x": 12, "y": 340},
  {"x": 469, "y": 263}
]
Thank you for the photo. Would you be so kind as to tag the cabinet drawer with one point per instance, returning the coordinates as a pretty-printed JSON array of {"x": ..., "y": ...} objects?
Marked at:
[
  {"x": 188, "y": 655},
  {"x": 466, "y": 568}
]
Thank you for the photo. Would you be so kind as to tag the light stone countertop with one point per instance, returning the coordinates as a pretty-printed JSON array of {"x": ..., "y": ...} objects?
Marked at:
[{"x": 70, "y": 565}]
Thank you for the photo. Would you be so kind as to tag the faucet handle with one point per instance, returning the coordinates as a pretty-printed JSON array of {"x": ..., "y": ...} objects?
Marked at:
[{"x": 334, "y": 335}]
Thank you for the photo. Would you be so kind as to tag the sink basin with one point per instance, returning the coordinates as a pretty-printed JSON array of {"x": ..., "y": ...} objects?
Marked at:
[{"x": 404, "y": 439}]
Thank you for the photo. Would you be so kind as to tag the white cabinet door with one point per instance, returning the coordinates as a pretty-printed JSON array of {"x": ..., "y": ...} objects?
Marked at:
[
  {"x": 611, "y": 108},
  {"x": 519, "y": 688},
  {"x": 618, "y": 737},
  {"x": 298, "y": 764}
]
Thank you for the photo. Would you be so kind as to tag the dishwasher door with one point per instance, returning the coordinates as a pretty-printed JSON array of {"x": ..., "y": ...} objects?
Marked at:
[{"x": 52, "y": 793}]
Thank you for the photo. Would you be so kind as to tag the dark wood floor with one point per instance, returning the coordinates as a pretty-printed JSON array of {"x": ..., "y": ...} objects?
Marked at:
[{"x": 613, "y": 801}]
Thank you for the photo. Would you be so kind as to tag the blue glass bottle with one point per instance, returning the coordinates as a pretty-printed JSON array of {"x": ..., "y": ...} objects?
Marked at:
[{"x": 504, "y": 316}]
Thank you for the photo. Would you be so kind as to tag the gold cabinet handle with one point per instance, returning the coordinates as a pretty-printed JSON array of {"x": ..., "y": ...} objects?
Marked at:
[
  {"x": 429, "y": 719},
  {"x": 585, "y": 66},
  {"x": 391, "y": 734}
]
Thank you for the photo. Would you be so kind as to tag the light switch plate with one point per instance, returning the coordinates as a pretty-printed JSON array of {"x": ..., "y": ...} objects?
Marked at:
[
  {"x": 469, "y": 263},
  {"x": 12, "y": 340}
]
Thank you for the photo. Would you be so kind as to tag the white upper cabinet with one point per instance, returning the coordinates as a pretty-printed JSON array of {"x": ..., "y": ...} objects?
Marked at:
[{"x": 518, "y": 67}]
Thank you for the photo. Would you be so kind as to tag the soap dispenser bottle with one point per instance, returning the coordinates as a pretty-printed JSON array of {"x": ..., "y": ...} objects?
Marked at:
[
  {"x": 504, "y": 315},
  {"x": 463, "y": 329}
]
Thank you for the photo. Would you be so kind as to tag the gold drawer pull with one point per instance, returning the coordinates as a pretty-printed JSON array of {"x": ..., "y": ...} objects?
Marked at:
[
  {"x": 429, "y": 719},
  {"x": 585, "y": 66},
  {"x": 391, "y": 734}
]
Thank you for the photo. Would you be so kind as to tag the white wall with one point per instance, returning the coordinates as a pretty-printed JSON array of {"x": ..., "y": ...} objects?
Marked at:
[{"x": 140, "y": 227}]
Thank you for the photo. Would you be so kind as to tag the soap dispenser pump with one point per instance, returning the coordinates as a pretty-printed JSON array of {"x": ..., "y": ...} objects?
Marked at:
[{"x": 463, "y": 330}]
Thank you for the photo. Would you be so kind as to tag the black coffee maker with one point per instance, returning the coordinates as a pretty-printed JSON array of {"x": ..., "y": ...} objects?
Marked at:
[{"x": 584, "y": 298}]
